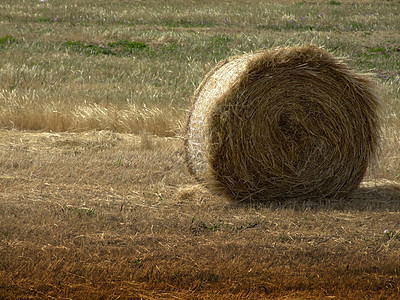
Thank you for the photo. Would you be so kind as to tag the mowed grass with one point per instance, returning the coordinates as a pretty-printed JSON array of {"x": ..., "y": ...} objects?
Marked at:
[
  {"x": 95, "y": 200},
  {"x": 105, "y": 215}
]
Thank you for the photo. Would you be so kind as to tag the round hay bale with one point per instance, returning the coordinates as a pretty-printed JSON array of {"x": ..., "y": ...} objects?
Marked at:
[{"x": 285, "y": 123}]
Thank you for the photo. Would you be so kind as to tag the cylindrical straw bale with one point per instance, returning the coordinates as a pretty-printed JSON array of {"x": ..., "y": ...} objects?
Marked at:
[{"x": 284, "y": 123}]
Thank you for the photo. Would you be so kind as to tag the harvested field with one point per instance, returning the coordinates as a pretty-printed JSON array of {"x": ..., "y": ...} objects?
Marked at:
[
  {"x": 106, "y": 215},
  {"x": 95, "y": 198}
]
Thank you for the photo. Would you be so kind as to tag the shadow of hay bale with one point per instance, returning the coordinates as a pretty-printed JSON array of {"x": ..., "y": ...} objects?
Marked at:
[
  {"x": 382, "y": 195},
  {"x": 378, "y": 196},
  {"x": 282, "y": 124}
]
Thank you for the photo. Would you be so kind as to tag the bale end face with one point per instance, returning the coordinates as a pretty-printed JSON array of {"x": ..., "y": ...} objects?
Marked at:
[{"x": 289, "y": 123}]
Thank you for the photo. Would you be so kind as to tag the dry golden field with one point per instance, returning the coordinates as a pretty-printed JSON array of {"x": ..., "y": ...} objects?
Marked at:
[{"x": 95, "y": 198}]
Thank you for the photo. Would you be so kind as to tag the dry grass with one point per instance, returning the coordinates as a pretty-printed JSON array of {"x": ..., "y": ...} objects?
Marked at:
[
  {"x": 107, "y": 208},
  {"x": 40, "y": 75},
  {"x": 101, "y": 214},
  {"x": 39, "y": 103},
  {"x": 130, "y": 118}
]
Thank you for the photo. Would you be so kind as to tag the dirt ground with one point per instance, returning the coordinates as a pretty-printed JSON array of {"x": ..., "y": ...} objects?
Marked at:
[{"x": 105, "y": 215}]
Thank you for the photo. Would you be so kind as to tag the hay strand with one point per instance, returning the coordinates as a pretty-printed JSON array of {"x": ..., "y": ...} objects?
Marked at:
[{"x": 281, "y": 124}]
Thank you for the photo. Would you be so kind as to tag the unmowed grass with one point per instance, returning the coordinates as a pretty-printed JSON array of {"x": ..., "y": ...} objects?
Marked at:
[
  {"x": 95, "y": 200},
  {"x": 66, "y": 56}
]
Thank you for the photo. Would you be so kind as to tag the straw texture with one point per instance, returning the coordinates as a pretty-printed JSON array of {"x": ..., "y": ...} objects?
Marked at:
[{"x": 281, "y": 124}]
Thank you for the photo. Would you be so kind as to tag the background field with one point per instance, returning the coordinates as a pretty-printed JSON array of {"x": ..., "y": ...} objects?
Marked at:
[{"x": 95, "y": 200}]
